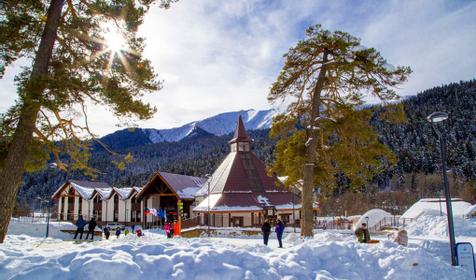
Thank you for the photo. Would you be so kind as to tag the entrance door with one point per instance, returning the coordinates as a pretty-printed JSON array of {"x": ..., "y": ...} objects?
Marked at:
[{"x": 237, "y": 221}]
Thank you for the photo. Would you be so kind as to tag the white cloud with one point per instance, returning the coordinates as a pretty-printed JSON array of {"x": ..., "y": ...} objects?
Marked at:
[{"x": 218, "y": 56}]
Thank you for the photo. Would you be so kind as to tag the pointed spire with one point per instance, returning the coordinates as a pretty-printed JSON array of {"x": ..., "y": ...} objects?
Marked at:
[{"x": 240, "y": 133}]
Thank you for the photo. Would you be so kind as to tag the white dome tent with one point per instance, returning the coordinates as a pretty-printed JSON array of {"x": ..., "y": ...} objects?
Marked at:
[{"x": 372, "y": 218}]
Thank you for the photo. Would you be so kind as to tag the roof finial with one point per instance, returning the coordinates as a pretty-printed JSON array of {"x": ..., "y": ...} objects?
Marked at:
[{"x": 240, "y": 132}]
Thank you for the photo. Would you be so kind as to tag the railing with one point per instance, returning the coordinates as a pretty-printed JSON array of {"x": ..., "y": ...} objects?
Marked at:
[
  {"x": 337, "y": 223},
  {"x": 391, "y": 222},
  {"x": 33, "y": 218},
  {"x": 192, "y": 222}
]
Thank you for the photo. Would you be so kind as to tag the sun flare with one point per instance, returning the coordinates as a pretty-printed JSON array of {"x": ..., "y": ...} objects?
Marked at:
[{"x": 114, "y": 41}]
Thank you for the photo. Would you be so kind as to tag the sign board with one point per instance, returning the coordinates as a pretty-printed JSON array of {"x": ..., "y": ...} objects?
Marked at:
[{"x": 464, "y": 253}]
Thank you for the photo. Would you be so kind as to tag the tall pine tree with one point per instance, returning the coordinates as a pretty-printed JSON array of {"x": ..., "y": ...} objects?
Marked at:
[
  {"x": 326, "y": 76},
  {"x": 73, "y": 65}
]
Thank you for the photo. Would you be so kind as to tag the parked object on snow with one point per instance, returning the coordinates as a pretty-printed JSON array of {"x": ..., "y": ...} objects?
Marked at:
[
  {"x": 115, "y": 226},
  {"x": 400, "y": 237}
]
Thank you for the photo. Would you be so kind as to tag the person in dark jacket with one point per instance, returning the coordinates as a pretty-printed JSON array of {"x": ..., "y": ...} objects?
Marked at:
[
  {"x": 91, "y": 226},
  {"x": 80, "y": 223},
  {"x": 266, "y": 229},
  {"x": 279, "y": 232},
  {"x": 363, "y": 234},
  {"x": 118, "y": 232},
  {"x": 107, "y": 232}
]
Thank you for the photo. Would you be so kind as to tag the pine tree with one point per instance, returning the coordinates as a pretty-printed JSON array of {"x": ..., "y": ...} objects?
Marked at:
[
  {"x": 326, "y": 76},
  {"x": 73, "y": 66}
]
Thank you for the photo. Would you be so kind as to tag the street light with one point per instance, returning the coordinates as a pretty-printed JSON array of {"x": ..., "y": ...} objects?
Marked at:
[
  {"x": 434, "y": 118},
  {"x": 294, "y": 195},
  {"x": 48, "y": 206},
  {"x": 209, "y": 178}
]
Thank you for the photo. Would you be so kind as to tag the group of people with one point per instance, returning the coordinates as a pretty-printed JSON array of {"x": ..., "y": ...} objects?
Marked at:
[
  {"x": 170, "y": 229},
  {"x": 266, "y": 230},
  {"x": 81, "y": 223}
]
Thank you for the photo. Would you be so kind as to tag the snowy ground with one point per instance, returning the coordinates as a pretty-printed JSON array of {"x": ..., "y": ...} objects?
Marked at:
[{"x": 330, "y": 255}]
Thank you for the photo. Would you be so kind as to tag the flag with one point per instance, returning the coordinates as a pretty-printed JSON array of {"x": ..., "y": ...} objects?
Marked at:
[
  {"x": 153, "y": 211},
  {"x": 146, "y": 211}
]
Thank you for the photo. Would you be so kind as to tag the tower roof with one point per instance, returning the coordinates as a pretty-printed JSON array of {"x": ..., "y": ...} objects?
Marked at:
[
  {"x": 241, "y": 181},
  {"x": 240, "y": 133}
]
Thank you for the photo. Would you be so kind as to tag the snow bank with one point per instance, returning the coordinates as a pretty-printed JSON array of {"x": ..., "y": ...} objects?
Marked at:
[
  {"x": 374, "y": 217},
  {"x": 433, "y": 206},
  {"x": 327, "y": 256},
  {"x": 437, "y": 226}
]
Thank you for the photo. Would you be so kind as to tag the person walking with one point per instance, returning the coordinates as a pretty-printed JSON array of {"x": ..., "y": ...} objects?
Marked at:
[
  {"x": 266, "y": 229},
  {"x": 363, "y": 234},
  {"x": 80, "y": 223},
  {"x": 91, "y": 226},
  {"x": 118, "y": 232},
  {"x": 167, "y": 229},
  {"x": 107, "y": 232},
  {"x": 279, "y": 232}
]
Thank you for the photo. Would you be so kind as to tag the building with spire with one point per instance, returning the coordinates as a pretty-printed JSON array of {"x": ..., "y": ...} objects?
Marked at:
[{"x": 241, "y": 194}]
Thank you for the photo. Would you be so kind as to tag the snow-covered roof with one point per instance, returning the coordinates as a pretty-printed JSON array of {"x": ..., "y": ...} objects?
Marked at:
[
  {"x": 433, "y": 206},
  {"x": 188, "y": 192},
  {"x": 85, "y": 193},
  {"x": 87, "y": 189},
  {"x": 184, "y": 186},
  {"x": 84, "y": 188},
  {"x": 209, "y": 201},
  {"x": 104, "y": 192},
  {"x": 123, "y": 193}
]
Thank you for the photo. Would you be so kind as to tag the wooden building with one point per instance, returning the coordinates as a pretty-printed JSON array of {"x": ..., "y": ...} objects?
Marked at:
[
  {"x": 126, "y": 205},
  {"x": 165, "y": 190},
  {"x": 241, "y": 194}
]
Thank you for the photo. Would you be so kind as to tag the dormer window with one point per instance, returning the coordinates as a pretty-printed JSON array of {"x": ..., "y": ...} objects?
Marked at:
[{"x": 244, "y": 147}]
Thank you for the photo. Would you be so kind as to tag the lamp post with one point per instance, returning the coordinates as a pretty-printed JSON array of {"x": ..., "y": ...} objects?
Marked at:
[
  {"x": 294, "y": 196},
  {"x": 209, "y": 178},
  {"x": 434, "y": 118},
  {"x": 48, "y": 206}
]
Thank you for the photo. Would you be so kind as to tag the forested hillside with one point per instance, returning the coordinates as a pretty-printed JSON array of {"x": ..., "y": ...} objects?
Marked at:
[{"x": 201, "y": 152}]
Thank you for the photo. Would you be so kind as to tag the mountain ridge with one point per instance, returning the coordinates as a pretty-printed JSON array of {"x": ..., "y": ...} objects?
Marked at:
[{"x": 218, "y": 125}]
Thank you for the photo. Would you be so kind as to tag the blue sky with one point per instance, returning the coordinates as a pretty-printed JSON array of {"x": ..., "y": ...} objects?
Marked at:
[{"x": 217, "y": 56}]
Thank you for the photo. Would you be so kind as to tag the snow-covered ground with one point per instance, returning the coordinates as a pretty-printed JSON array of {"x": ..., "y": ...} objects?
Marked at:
[{"x": 330, "y": 255}]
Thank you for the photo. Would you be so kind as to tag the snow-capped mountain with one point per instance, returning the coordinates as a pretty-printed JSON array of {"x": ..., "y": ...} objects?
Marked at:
[{"x": 220, "y": 124}]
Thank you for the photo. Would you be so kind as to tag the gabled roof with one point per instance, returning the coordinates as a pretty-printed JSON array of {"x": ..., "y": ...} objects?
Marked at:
[
  {"x": 183, "y": 186},
  {"x": 123, "y": 193},
  {"x": 126, "y": 193},
  {"x": 104, "y": 193},
  {"x": 84, "y": 188}
]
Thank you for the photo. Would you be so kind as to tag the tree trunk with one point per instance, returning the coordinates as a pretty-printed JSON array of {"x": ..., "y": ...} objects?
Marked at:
[
  {"x": 307, "y": 224},
  {"x": 14, "y": 163}
]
